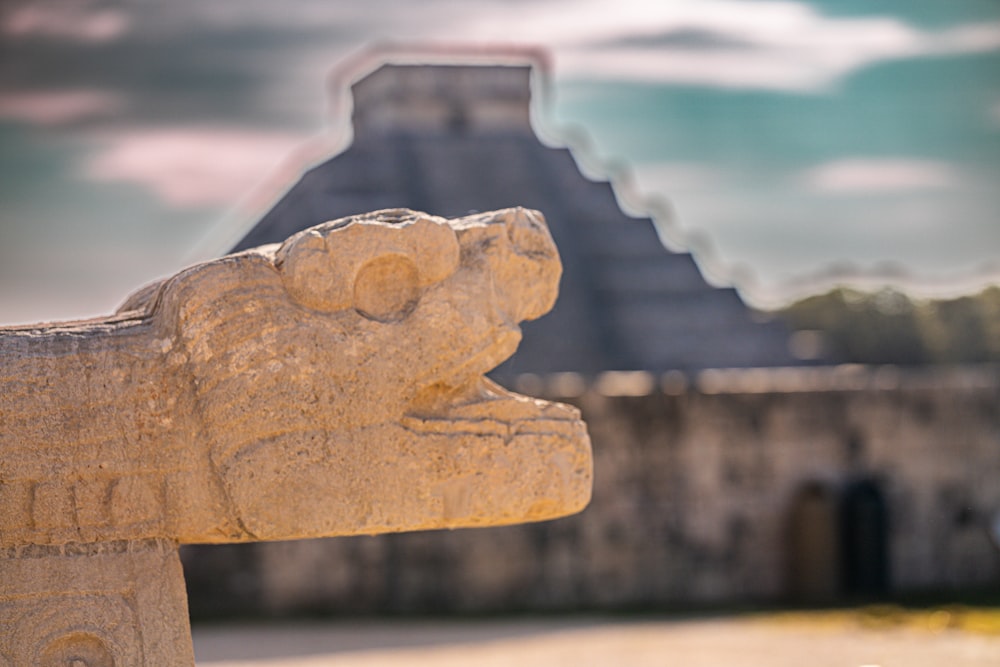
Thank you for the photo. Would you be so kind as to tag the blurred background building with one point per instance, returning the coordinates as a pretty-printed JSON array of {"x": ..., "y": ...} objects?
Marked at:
[
  {"x": 727, "y": 468},
  {"x": 455, "y": 138}
]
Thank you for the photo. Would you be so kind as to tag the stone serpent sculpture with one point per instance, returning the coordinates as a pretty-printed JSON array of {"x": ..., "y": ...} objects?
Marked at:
[{"x": 329, "y": 385}]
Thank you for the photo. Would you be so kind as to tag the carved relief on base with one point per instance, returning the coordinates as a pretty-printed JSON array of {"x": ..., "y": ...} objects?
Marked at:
[{"x": 114, "y": 604}]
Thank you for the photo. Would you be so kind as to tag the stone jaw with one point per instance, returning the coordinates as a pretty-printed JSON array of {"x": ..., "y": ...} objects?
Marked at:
[{"x": 332, "y": 385}]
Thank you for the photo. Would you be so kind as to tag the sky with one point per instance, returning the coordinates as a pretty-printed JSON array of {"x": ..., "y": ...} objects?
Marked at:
[{"x": 791, "y": 145}]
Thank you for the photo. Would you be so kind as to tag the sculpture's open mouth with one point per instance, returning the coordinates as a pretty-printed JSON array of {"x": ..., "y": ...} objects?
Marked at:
[
  {"x": 504, "y": 427},
  {"x": 485, "y": 408},
  {"x": 500, "y": 457}
]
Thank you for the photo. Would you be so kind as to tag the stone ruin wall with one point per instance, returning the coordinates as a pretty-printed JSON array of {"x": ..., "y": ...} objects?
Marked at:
[{"x": 694, "y": 489}]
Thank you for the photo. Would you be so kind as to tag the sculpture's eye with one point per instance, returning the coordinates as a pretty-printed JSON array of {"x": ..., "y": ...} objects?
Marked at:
[{"x": 387, "y": 288}]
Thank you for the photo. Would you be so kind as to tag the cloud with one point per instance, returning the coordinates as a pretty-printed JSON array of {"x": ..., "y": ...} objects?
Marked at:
[
  {"x": 871, "y": 176},
  {"x": 58, "y": 107},
  {"x": 191, "y": 167},
  {"x": 78, "y": 21},
  {"x": 782, "y": 45},
  {"x": 683, "y": 38}
]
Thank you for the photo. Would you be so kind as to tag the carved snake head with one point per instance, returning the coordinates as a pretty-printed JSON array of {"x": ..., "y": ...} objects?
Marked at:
[{"x": 340, "y": 377}]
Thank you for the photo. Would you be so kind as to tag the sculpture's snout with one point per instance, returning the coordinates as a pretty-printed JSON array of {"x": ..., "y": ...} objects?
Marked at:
[
  {"x": 523, "y": 260},
  {"x": 535, "y": 253}
]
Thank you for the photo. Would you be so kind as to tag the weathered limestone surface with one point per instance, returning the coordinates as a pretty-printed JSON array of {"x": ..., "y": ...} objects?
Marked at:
[{"x": 332, "y": 385}]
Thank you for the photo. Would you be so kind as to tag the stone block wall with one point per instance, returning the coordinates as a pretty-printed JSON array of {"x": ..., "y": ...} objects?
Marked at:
[{"x": 697, "y": 481}]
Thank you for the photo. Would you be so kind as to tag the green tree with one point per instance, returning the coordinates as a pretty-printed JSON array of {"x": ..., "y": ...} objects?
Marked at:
[{"x": 889, "y": 327}]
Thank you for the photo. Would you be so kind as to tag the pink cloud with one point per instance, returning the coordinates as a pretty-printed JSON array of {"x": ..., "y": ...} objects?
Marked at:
[
  {"x": 859, "y": 176},
  {"x": 57, "y": 107},
  {"x": 74, "y": 21},
  {"x": 190, "y": 167}
]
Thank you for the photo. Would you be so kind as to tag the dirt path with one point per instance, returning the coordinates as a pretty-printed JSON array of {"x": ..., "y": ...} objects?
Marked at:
[{"x": 735, "y": 642}]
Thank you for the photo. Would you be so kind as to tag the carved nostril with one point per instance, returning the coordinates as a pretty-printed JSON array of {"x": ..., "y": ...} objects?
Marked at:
[{"x": 387, "y": 288}]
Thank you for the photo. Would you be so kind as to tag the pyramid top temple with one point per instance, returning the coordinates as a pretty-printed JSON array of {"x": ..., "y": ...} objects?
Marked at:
[{"x": 449, "y": 138}]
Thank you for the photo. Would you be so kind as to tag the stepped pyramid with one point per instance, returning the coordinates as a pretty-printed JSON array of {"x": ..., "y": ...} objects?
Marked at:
[{"x": 448, "y": 139}]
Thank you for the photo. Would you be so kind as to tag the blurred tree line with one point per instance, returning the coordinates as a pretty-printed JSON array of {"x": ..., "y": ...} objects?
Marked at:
[{"x": 888, "y": 327}]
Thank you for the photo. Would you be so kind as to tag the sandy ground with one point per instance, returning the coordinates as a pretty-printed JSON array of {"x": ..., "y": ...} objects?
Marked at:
[{"x": 726, "y": 642}]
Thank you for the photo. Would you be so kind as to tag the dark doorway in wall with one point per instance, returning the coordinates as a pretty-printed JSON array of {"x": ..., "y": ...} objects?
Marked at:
[{"x": 864, "y": 539}]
